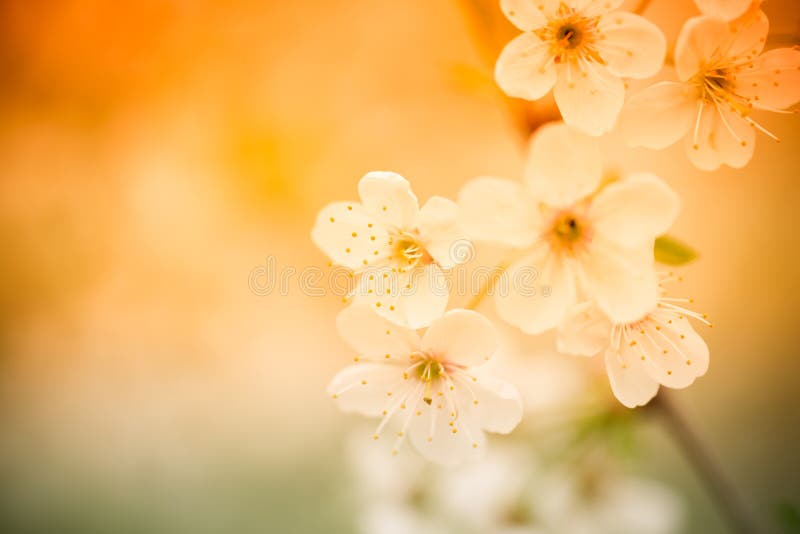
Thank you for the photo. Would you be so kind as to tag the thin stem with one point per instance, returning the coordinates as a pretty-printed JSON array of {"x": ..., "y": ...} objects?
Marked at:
[
  {"x": 642, "y": 6},
  {"x": 527, "y": 116},
  {"x": 722, "y": 491},
  {"x": 487, "y": 287}
]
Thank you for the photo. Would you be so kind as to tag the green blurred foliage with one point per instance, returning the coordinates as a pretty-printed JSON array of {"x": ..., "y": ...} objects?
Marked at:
[{"x": 671, "y": 251}]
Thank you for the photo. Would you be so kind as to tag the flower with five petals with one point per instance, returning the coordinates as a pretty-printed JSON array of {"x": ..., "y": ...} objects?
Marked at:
[
  {"x": 396, "y": 250},
  {"x": 432, "y": 386},
  {"x": 660, "y": 348},
  {"x": 724, "y": 77},
  {"x": 581, "y": 49},
  {"x": 574, "y": 235}
]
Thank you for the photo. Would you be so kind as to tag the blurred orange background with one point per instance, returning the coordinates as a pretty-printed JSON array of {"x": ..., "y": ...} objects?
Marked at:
[{"x": 155, "y": 152}]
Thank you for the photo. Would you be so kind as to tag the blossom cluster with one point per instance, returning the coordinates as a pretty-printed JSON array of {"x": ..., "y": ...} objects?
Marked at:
[
  {"x": 515, "y": 489},
  {"x": 589, "y": 236}
]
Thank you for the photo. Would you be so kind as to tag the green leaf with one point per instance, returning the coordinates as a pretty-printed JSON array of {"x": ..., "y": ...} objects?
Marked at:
[{"x": 670, "y": 251}]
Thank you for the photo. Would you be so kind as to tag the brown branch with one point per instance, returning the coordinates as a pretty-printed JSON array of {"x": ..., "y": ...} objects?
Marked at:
[
  {"x": 641, "y": 7},
  {"x": 526, "y": 116},
  {"x": 722, "y": 491}
]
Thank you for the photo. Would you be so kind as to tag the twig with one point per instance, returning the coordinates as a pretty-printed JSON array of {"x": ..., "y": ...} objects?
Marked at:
[
  {"x": 642, "y": 6},
  {"x": 487, "y": 287},
  {"x": 525, "y": 115},
  {"x": 722, "y": 491}
]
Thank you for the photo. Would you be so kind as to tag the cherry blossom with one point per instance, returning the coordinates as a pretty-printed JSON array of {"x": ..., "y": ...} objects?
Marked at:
[
  {"x": 432, "y": 386},
  {"x": 581, "y": 50},
  {"x": 724, "y": 77},
  {"x": 572, "y": 234},
  {"x": 660, "y": 348},
  {"x": 396, "y": 250}
]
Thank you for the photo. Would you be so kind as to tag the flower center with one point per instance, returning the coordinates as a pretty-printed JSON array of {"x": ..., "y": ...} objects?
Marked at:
[
  {"x": 717, "y": 80},
  {"x": 409, "y": 251},
  {"x": 431, "y": 369},
  {"x": 571, "y": 36},
  {"x": 716, "y": 85},
  {"x": 569, "y": 231}
]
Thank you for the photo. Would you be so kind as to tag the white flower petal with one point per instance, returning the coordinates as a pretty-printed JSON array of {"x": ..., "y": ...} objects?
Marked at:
[
  {"x": 373, "y": 336},
  {"x": 498, "y": 211},
  {"x": 690, "y": 344},
  {"x": 749, "y": 35},
  {"x": 589, "y": 97},
  {"x": 525, "y": 68},
  {"x": 537, "y": 292},
  {"x": 529, "y": 14},
  {"x": 464, "y": 337},
  {"x": 631, "y": 385},
  {"x": 659, "y": 115},
  {"x": 723, "y": 136},
  {"x": 440, "y": 232},
  {"x": 774, "y": 80},
  {"x": 686, "y": 356},
  {"x": 428, "y": 299},
  {"x": 723, "y": 9},
  {"x": 632, "y": 46},
  {"x": 622, "y": 280},
  {"x": 698, "y": 40},
  {"x": 412, "y": 298},
  {"x": 664, "y": 355},
  {"x": 387, "y": 196},
  {"x": 344, "y": 232},
  {"x": 434, "y": 437},
  {"x": 635, "y": 210},
  {"x": 379, "y": 288},
  {"x": 499, "y": 405},
  {"x": 584, "y": 331},
  {"x": 362, "y": 388},
  {"x": 563, "y": 165},
  {"x": 593, "y": 8},
  {"x": 704, "y": 38}
]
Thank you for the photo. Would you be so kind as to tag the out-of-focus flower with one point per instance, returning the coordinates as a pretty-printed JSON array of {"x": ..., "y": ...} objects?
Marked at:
[
  {"x": 492, "y": 494},
  {"x": 434, "y": 384},
  {"x": 516, "y": 488},
  {"x": 601, "y": 502},
  {"x": 724, "y": 77},
  {"x": 574, "y": 236},
  {"x": 580, "y": 50},
  {"x": 514, "y": 491},
  {"x": 660, "y": 348},
  {"x": 724, "y": 9},
  {"x": 396, "y": 249},
  {"x": 398, "y": 518},
  {"x": 376, "y": 478}
]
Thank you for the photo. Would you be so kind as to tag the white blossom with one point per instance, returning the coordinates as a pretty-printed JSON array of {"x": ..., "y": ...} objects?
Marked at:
[
  {"x": 432, "y": 386},
  {"x": 396, "y": 250},
  {"x": 513, "y": 490},
  {"x": 573, "y": 235},
  {"x": 660, "y": 348},
  {"x": 580, "y": 49},
  {"x": 724, "y": 77}
]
